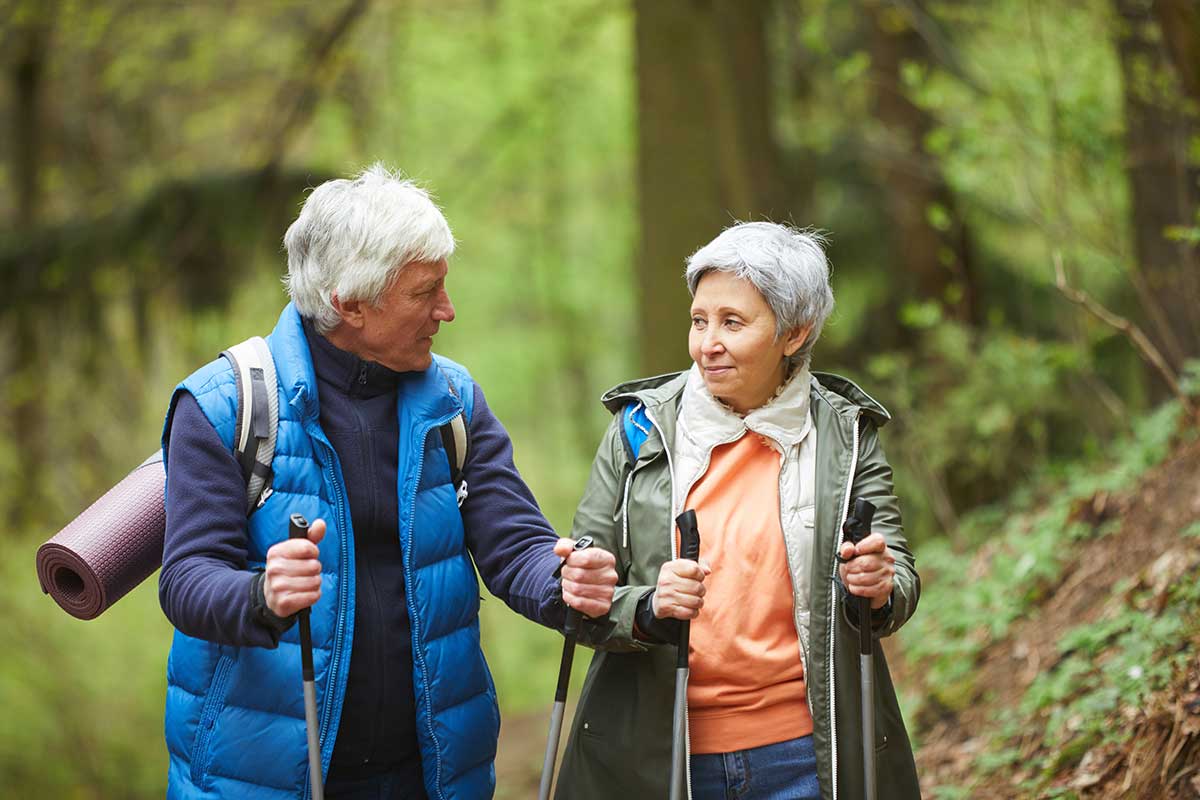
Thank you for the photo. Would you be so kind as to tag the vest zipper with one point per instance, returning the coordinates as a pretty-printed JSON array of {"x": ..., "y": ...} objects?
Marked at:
[
  {"x": 833, "y": 594},
  {"x": 419, "y": 649},
  {"x": 340, "y": 629}
]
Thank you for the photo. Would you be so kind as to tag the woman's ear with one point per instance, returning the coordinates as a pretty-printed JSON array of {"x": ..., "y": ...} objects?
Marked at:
[
  {"x": 349, "y": 310},
  {"x": 795, "y": 339}
]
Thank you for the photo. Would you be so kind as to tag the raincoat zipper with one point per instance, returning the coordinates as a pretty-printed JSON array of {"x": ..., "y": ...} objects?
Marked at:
[
  {"x": 833, "y": 608},
  {"x": 674, "y": 555}
]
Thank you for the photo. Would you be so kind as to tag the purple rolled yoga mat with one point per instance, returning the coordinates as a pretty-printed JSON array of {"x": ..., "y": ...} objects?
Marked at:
[{"x": 110, "y": 548}]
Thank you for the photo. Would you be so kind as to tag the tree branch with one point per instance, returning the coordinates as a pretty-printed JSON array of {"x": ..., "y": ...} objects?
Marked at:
[
  {"x": 304, "y": 98},
  {"x": 1130, "y": 330}
]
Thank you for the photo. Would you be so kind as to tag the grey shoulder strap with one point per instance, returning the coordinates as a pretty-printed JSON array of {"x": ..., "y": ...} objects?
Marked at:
[
  {"x": 258, "y": 416},
  {"x": 455, "y": 441}
]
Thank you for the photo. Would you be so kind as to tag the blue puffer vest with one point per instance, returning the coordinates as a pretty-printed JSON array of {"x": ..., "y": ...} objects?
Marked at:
[{"x": 235, "y": 715}]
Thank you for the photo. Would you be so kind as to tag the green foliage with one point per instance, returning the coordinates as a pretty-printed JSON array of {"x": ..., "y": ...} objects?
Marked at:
[
  {"x": 82, "y": 700},
  {"x": 976, "y": 411},
  {"x": 1106, "y": 669},
  {"x": 977, "y": 598}
]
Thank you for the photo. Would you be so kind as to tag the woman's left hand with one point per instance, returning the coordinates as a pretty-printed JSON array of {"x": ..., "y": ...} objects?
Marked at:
[{"x": 870, "y": 570}]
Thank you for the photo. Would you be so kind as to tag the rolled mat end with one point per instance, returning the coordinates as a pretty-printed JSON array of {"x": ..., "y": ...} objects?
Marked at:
[{"x": 114, "y": 545}]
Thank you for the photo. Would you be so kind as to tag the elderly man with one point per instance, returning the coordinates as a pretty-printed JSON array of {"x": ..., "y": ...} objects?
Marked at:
[{"x": 407, "y": 707}]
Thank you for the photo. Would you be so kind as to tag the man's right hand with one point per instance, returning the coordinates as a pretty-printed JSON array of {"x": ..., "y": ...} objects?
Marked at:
[
  {"x": 293, "y": 574},
  {"x": 680, "y": 590}
]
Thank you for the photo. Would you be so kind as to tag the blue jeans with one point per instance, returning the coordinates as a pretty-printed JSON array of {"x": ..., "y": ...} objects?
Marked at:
[{"x": 784, "y": 771}]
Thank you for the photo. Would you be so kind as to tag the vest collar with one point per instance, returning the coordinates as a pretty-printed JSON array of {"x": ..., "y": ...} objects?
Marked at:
[
  {"x": 346, "y": 372},
  {"x": 427, "y": 393}
]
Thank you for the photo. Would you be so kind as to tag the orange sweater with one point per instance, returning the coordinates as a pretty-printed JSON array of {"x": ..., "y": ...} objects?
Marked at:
[{"x": 746, "y": 687}]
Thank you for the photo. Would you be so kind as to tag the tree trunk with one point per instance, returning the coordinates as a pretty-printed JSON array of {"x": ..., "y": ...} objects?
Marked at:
[
  {"x": 1163, "y": 186},
  {"x": 706, "y": 155},
  {"x": 928, "y": 232},
  {"x": 22, "y": 392},
  {"x": 1179, "y": 21}
]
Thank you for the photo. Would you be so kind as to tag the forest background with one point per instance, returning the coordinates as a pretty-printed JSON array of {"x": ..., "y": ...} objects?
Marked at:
[{"x": 1009, "y": 189}]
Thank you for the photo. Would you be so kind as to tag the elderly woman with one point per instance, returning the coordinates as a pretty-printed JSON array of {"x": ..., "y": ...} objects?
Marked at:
[{"x": 770, "y": 456}]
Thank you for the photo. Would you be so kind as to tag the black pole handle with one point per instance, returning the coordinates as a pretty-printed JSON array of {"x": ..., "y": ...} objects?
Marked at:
[
  {"x": 689, "y": 535},
  {"x": 689, "y": 547},
  {"x": 298, "y": 529},
  {"x": 858, "y": 525},
  {"x": 856, "y": 528}
]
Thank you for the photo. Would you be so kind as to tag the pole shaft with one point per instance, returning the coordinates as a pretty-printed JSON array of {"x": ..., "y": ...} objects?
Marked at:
[
  {"x": 314, "y": 747},
  {"x": 679, "y": 739},
  {"x": 868, "y": 725},
  {"x": 556, "y": 721}
]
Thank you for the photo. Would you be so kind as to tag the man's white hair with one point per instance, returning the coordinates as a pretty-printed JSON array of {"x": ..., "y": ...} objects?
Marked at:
[
  {"x": 354, "y": 236},
  {"x": 788, "y": 267}
]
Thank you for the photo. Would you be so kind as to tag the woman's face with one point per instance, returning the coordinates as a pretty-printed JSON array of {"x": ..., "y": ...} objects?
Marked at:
[{"x": 732, "y": 340}]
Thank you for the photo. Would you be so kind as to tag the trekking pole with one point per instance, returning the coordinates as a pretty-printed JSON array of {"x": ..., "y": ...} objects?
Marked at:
[
  {"x": 857, "y": 527},
  {"x": 298, "y": 529},
  {"x": 689, "y": 547},
  {"x": 571, "y": 632}
]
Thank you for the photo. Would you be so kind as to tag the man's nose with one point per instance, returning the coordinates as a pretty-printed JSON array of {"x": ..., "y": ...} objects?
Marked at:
[{"x": 444, "y": 312}]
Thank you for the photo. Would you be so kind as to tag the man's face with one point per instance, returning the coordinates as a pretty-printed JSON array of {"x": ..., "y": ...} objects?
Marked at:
[{"x": 398, "y": 332}]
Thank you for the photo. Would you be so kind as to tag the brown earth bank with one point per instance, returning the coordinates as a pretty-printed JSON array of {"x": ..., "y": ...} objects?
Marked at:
[{"x": 1162, "y": 757}]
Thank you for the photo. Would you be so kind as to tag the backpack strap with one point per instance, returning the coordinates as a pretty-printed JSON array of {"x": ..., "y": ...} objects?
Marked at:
[
  {"x": 456, "y": 442},
  {"x": 257, "y": 417}
]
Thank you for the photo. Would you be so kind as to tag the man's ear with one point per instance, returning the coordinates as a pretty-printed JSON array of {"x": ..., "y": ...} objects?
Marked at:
[
  {"x": 795, "y": 339},
  {"x": 351, "y": 311}
]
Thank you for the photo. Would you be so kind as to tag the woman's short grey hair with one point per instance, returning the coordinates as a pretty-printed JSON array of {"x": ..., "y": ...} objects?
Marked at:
[
  {"x": 788, "y": 267},
  {"x": 354, "y": 236}
]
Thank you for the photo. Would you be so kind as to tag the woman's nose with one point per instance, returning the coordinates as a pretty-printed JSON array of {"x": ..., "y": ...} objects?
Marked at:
[{"x": 712, "y": 342}]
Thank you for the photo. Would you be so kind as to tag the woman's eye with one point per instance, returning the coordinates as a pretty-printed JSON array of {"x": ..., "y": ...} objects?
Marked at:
[
  {"x": 733, "y": 324},
  {"x": 697, "y": 322}
]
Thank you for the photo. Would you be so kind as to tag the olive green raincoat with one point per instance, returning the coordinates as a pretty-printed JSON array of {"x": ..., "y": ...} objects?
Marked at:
[{"x": 620, "y": 741}]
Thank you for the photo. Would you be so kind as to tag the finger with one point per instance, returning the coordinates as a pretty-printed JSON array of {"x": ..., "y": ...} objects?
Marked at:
[
  {"x": 292, "y": 603},
  {"x": 592, "y": 609},
  {"x": 294, "y": 567},
  {"x": 316, "y": 531},
  {"x": 846, "y": 551},
  {"x": 591, "y": 558},
  {"x": 685, "y": 612},
  {"x": 682, "y": 586},
  {"x": 685, "y": 568},
  {"x": 881, "y": 588},
  {"x": 288, "y": 586},
  {"x": 704, "y": 565},
  {"x": 605, "y": 576},
  {"x": 684, "y": 599},
  {"x": 293, "y": 549},
  {"x": 875, "y": 543},
  {"x": 563, "y": 547},
  {"x": 868, "y": 578},
  {"x": 590, "y": 591},
  {"x": 869, "y": 563}
]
